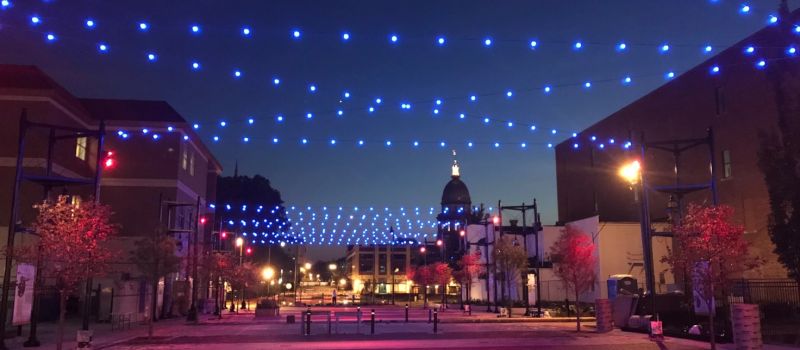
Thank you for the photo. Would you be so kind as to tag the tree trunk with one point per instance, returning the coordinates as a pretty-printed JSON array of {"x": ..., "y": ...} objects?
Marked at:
[
  {"x": 62, "y": 312},
  {"x": 711, "y": 331},
  {"x": 509, "y": 302},
  {"x": 425, "y": 296},
  {"x": 153, "y": 305},
  {"x": 578, "y": 309}
]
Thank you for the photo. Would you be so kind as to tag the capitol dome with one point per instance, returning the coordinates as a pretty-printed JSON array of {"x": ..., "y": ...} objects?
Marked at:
[{"x": 456, "y": 193}]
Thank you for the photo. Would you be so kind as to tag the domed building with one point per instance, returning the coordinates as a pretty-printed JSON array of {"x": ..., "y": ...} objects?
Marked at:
[{"x": 456, "y": 206}]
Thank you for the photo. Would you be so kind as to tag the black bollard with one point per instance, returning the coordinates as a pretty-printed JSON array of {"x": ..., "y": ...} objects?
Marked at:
[
  {"x": 435, "y": 321},
  {"x": 430, "y": 313},
  {"x": 406, "y": 313},
  {"x": 308, "y": 321},
  {"x": 372, "y": 322}
]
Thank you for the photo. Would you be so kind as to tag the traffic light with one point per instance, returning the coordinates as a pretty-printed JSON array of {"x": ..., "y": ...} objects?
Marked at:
[
  {"x": 249, "y": 250},
  {"x": 109, "y": 161}
]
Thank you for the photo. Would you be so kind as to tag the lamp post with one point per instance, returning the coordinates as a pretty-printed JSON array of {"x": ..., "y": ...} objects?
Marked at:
[
  {"x": 495, "y": 223},
  {"x": 240, "y": 245},
  {"x": 396, "y": 270},
  {"x": 633, "y": 173},
  {"x": 267, "y": 274}
]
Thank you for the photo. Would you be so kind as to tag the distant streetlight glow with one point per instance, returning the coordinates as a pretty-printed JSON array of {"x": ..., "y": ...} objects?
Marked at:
[{"x": 631, "y": 172}]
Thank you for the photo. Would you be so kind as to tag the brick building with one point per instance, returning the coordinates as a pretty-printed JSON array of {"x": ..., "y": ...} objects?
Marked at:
[
  {"x": 737, "y": 101},
  {"x": 159, "y": 160}
]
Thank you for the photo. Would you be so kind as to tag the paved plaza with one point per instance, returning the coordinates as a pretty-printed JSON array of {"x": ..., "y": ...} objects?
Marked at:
[{"x": 480, "y": 330}]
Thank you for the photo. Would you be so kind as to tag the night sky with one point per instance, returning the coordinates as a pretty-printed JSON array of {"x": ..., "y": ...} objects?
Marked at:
[{"x": 414, "y": 70}]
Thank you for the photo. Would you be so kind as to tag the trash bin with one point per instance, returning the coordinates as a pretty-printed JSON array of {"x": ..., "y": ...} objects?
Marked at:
[{"x": 621, "y": 285}]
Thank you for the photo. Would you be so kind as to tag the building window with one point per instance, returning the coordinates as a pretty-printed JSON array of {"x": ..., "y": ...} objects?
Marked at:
[
  {"x": 719, "y": 98},
  {"x": 382, "y": 264},
  {"x": 726, "y": 164},
  {"x": 80, "y": 148},
  {"x": 191, "y": 164},
  {"x": 366, "y": 263},
  {"x": 184, "y": 158}
]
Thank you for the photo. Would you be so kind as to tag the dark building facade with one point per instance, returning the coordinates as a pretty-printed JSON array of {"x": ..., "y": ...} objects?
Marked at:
[
  {"x": 729, "y": 97},
  {"x": 456, "y": 207}
]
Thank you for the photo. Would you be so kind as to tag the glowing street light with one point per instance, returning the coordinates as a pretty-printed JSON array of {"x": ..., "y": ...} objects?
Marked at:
[
  {"x": 332, "y": 267},
  {"x": 268, "y": 273},
  {"x": 239, "y": 241},
  {"x": 308, "y": 266},
  {"x": 631, "y": 172}
]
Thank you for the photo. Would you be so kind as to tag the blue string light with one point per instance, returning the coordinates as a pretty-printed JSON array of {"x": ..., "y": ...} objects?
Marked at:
[{"x": 89, "y": 23}]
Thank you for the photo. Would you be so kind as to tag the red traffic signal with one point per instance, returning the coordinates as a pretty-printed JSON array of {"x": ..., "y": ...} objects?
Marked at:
[
  {"x": 202, "y": 220},
  {"x": 462, "y": 233},
  {"x": 439, "y": 242},
  {"x": 249, "y": 250},
  {"x": 109, "y": 161},
  {"x": 223, "y": 235},
  {"x": 421, "y": 249}
]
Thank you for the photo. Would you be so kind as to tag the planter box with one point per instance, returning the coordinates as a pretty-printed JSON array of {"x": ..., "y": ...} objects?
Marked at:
[{"x": 268, "y": 312}]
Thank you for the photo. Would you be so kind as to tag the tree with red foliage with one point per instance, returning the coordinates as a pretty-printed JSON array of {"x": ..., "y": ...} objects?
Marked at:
[
  {"x": 421, "y": 275},
  {"x": 72, "y": 242},
  {"x": 714, "y": 249},
  {"x": 441, "y": 273},
  {"x": 574, "y": 260},
  {"x": 469, "y": 268}
]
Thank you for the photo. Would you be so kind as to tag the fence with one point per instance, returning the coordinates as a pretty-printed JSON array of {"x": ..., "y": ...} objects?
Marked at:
[{"x": 779, "y": 303}]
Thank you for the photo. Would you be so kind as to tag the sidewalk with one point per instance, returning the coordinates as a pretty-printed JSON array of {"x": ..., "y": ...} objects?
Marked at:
[{"x": 103, "y": 336}]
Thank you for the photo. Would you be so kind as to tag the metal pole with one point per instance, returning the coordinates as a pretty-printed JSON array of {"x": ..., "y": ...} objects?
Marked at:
[
  {"x": 97, "y": 173},
  {"x": 527, "y": 268},
  {"x": 372, "y": 322},
  {"x": 538, "y": 229},
  {"x": 406, "y": 313},
  {"x": 435, "y": 321},
  {"x": 192, "y": 313},
  {"x": 712, "y": 167},
  {"x": 647, "y": 251},
  {"x": 33, "y": 341},
  {"x": 486, "y": 245}
]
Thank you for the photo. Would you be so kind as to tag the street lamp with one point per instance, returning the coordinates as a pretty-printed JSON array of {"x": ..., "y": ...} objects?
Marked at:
[
  {"x": 633, "y": 174},
  {"x": 240, "y": 245},
  {"x": 268, "y": 273},
  {"x": 332, "y": 267}
]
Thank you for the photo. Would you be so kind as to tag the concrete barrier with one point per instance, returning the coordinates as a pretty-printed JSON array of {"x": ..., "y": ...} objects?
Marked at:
[
  {"x": 746, "y": 327},
  {"x": 604, "y": 315}
]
